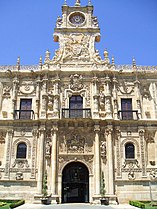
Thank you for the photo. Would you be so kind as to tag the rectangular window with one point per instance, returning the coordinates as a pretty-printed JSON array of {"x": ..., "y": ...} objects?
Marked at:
[
  {"x": 25, "y": 109},
  {"x": 126, "y": 107}
]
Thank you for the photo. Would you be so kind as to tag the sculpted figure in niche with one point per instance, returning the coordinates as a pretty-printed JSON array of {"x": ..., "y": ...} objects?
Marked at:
[{"x": 48, "y": 148}]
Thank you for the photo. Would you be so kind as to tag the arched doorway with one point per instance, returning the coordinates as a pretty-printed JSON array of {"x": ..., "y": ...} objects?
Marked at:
[{"x": 75, "y": 183}]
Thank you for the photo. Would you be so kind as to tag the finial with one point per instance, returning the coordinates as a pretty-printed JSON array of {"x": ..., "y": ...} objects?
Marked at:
[
  {"x": 65, "y": 3},
  {"x": 106, "y": 57},
  {"x": 106, "y": 53},
  {"x": 78, "y": 3},
  {"x": 40, "y": 61},
  {"x": 18, "y": 61},
  {"x": 113, "y": 63},
  {"x": 89, "y": 3},
  {"x": 134, "y": 62},
  {"x": 47, "y": 56}
]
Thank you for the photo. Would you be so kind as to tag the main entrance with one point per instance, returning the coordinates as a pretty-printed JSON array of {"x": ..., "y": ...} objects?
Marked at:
[{"x": 75, "y": 183}]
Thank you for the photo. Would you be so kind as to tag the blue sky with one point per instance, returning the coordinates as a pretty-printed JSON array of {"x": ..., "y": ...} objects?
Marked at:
[{"x": 128, "y": 29}]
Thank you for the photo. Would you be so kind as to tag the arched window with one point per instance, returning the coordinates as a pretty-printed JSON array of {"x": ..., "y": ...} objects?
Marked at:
[
  {"x": 129, "y": 151},
  {"x": 21, "y": 150}
]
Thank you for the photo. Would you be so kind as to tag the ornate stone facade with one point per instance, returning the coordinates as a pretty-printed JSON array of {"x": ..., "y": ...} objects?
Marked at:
[{"x": 78, "y": 110}]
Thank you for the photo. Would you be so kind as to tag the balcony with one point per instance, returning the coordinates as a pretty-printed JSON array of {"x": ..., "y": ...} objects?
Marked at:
[
  {"x": 24, "y": 115},
  {"x": 76, "y": 113},
  {"x": 128, "y": 115}
]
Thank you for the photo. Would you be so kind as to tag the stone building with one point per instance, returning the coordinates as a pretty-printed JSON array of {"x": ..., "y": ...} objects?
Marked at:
[{"x": 79, "y": 118}]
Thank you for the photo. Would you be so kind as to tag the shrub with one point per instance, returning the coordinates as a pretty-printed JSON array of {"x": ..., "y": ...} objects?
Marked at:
[
  {"x": 16, "y": 204},
  {"x": 2, "y": 204},
  {"x": 137, "y": 204}
]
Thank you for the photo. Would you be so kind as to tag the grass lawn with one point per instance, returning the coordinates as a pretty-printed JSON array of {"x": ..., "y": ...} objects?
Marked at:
[{"x": 144, "y": 204}]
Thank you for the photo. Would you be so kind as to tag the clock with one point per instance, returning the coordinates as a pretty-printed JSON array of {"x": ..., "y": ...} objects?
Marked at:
[{"x": 77, "y": 18}]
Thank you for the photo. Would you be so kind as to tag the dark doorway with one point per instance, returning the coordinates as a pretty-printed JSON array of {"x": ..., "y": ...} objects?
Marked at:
[{"x": 75, "y": 183}]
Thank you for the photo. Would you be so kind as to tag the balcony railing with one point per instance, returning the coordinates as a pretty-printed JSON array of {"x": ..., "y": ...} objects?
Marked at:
[
  {"x": 128, "y": 115},
  {"x": 24, "y": 114},
  {"x": 76, "y": 113}
]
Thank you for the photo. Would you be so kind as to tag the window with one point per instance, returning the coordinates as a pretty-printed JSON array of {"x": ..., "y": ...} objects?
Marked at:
[
  {"x": 129, "y": 151},
  {"x": 21, "y": 150},
  {"x": 126, "y": 107},
  {"x": 25, "y": 108},
  {"x": 76, "y": 107}
]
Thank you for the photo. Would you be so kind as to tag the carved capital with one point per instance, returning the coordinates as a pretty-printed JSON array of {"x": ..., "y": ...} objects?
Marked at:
[
  {"x": 34, "y": 132},
  {"x": 141, "y": 132},
  {"x": 96, "y": 128},
  {"x": 42, "y": 130}
]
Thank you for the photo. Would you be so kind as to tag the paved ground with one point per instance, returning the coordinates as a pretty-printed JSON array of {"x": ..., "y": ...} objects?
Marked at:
[{"x": 74, "y": 206}]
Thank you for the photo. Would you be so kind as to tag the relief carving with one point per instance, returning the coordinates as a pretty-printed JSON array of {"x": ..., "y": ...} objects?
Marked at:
[
  {"x": 126, "y": 88},
  {"x": 75, "y": 47},
  {"x": 20, "y": 163},
  {"x": 19, "y": 176},
  {"x": 76, "y": 82},
  {"x": 27, "y": 87},
  {"x": 76, "y": 144}
]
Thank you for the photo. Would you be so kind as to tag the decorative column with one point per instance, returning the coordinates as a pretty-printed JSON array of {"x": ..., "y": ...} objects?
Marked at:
[
  {"x": 118, "y": 152},
  {"x": 37, "y": 98},
  {"x": 143, "y": 157},
  {"x": 54, "y": 164},
  {"x": 8, "y": 145},
  {"x": 115, "y": 105},
  {"x": 56, "y": 98},
  {"x": 44, "y": 98},
  {"x": 40, "y": 159},
  {"x": 110, "y": 160},
  {"x": 97, "y": 163},
  {"x": 108, "y": 98},
  {"x": 95, "y": 98},
  {"x": 33, "y": 172},
  {"x": 14, "y": 98},
  {"x": 138, "y": 98}
]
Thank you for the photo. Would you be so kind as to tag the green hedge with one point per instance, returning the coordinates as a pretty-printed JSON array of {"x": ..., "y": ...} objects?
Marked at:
[
  {"x": 2, "y": 204},
  {"x": 11, "y": 203},
  {"x": 137, "y": 204},
  {"x": 16, "y": 204}
]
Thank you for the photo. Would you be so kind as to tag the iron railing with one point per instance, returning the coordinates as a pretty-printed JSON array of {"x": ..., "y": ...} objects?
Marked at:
[
  {"x": 128, "y": 115},
  {"x": 76, "y": 113},
  {"x": 24, "y": 114}
]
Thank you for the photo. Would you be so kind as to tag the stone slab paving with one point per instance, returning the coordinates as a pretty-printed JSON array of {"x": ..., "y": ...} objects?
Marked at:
[{"x": 74, "y": 206}]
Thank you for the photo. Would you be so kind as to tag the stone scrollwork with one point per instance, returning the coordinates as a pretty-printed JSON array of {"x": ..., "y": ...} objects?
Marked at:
[
  {"x": 131, "y": 175},
  {"x": 19, "y": 176},
  {"x": 76, "y": 82},
  {"x": 131, "y": 164},
  {"x": 20, "y": 163},
  {"x": 153, "y": 175},
  {"x": 59, "y": 21},
  {"x": 126, "y": 88}
]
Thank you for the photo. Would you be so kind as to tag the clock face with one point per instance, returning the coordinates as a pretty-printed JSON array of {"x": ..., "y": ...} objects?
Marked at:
[{"x": 77, "y": 18}]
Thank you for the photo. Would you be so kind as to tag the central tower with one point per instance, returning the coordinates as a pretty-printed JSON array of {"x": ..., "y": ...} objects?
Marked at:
[{"x": 77, "y": 31}]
